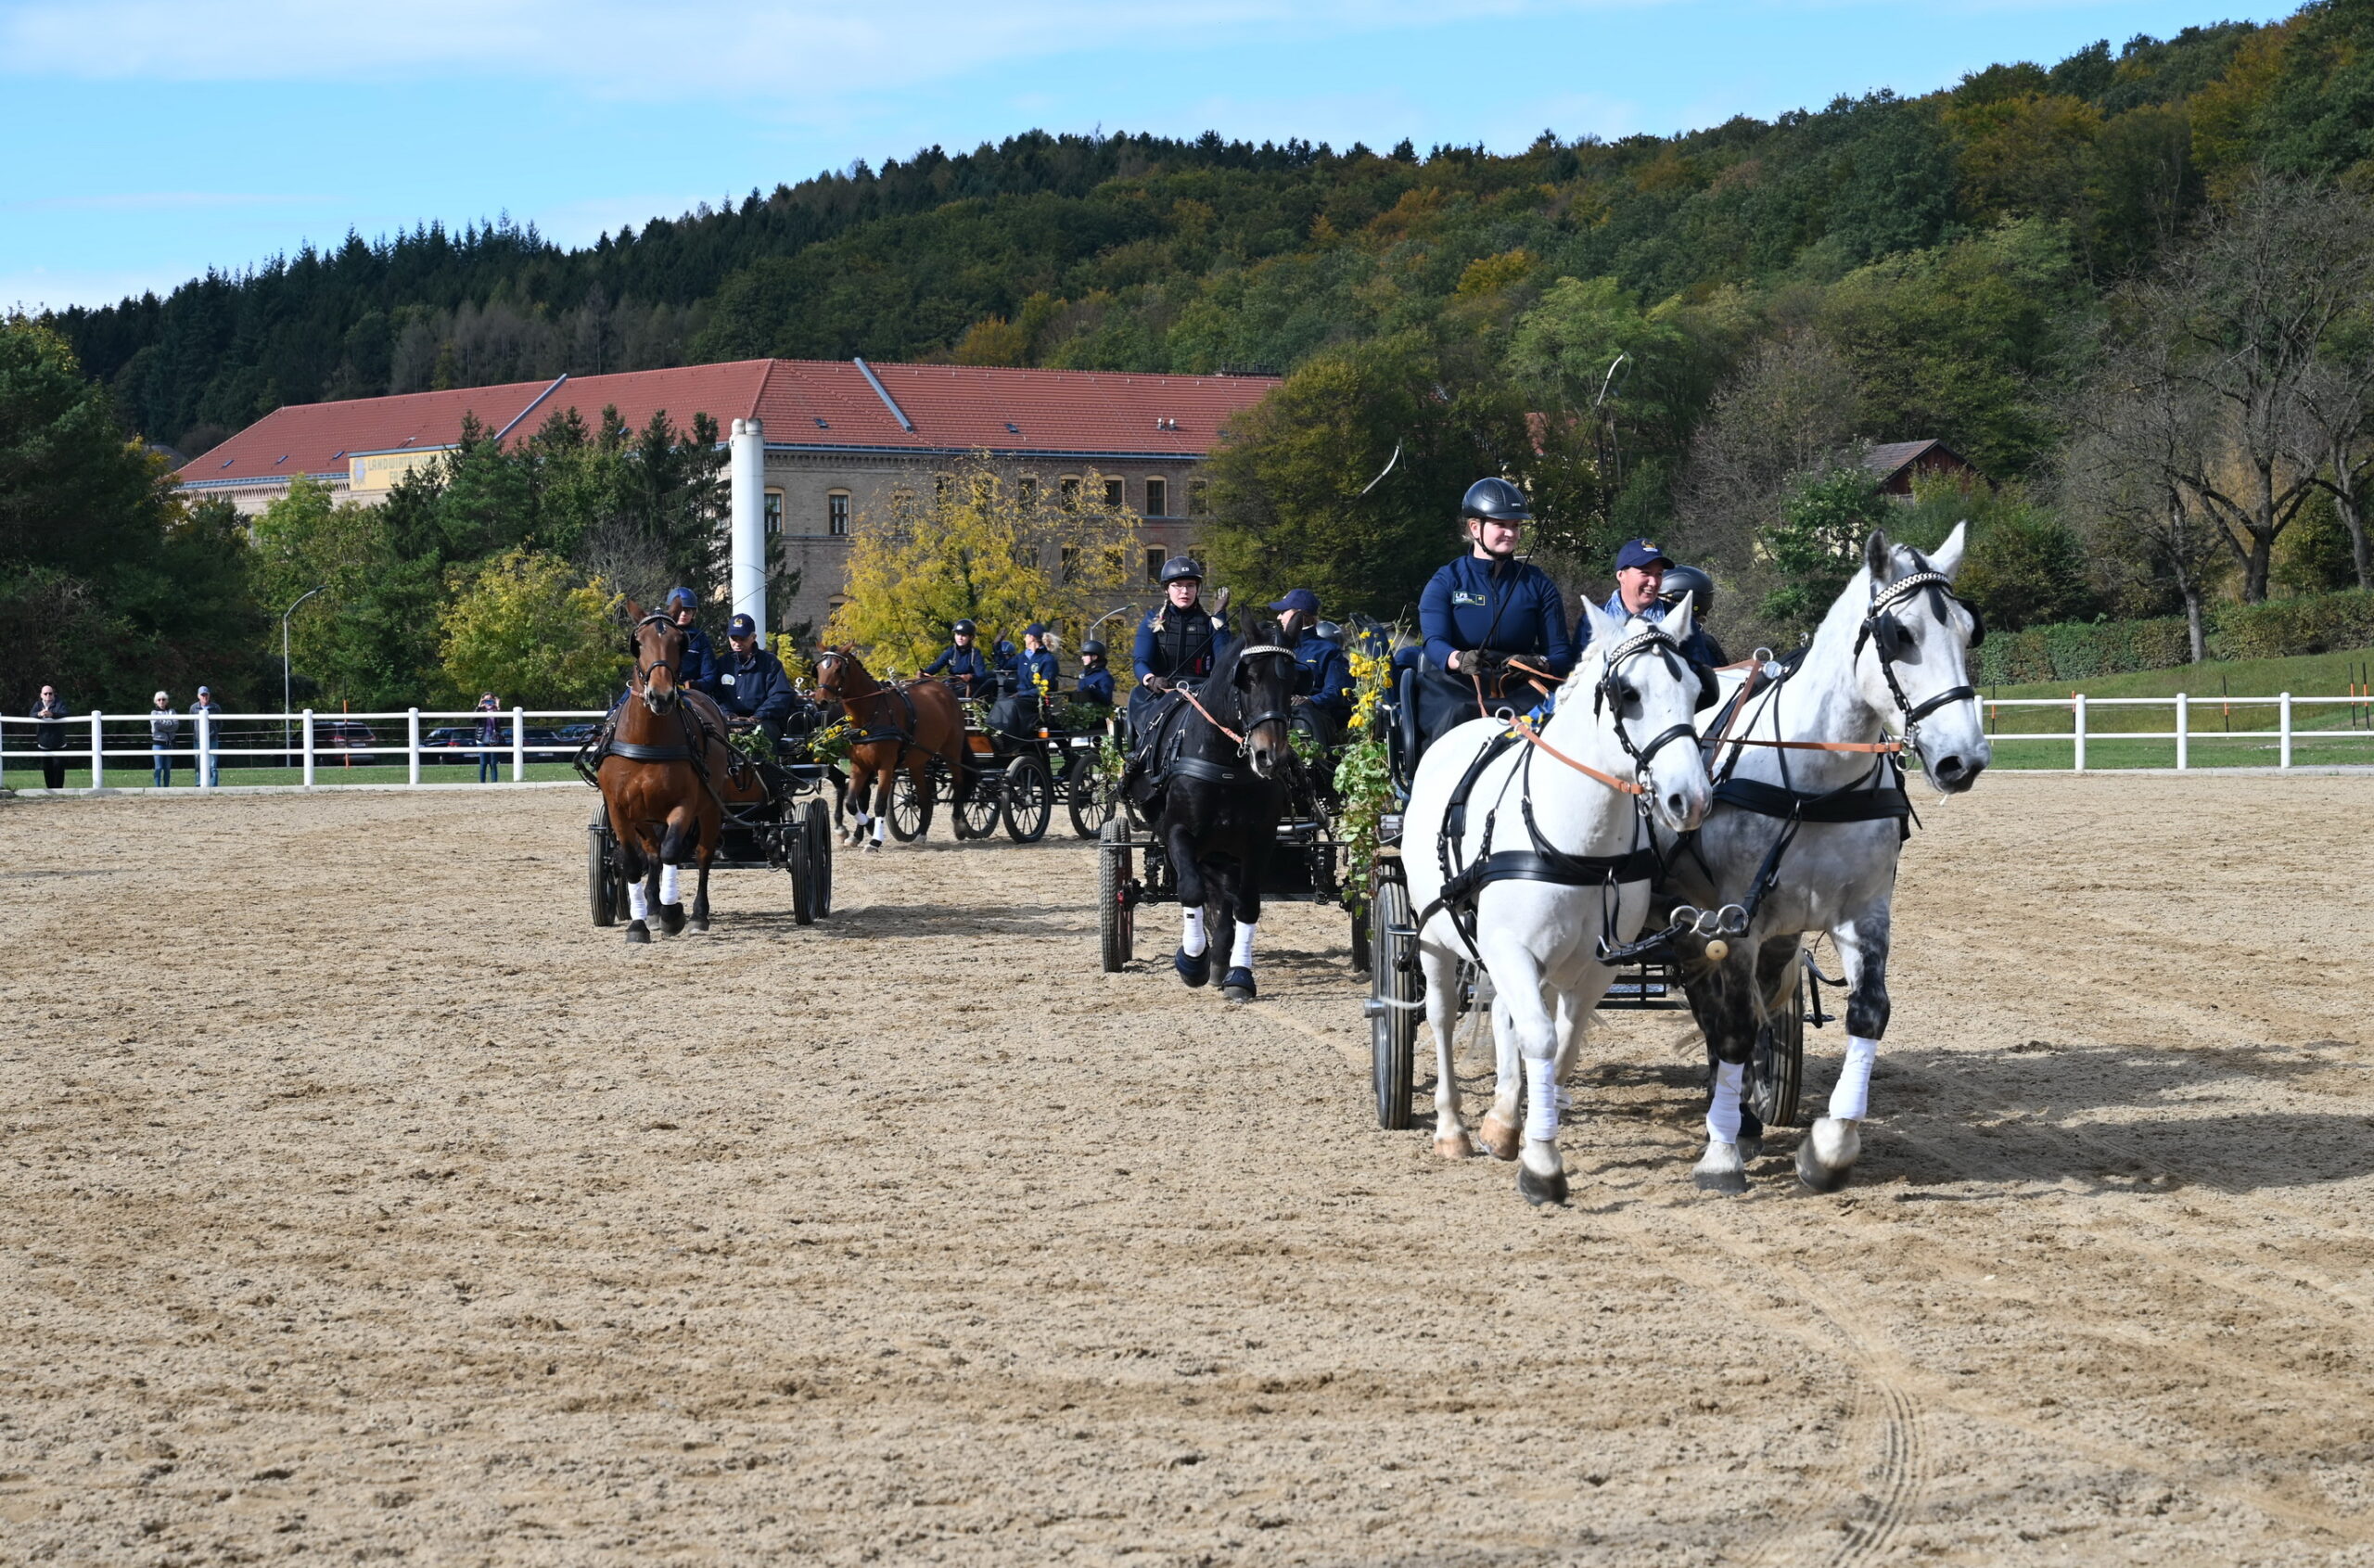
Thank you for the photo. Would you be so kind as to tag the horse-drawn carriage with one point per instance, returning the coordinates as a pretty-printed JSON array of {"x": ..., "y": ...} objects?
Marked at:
[
  {"x": 790, "y": 830},
  {"x": 1015, "y": 773}
]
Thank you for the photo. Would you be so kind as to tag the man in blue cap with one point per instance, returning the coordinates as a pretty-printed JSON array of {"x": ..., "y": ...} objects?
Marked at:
[
  {"x": 961, "y": 662},
  {"x": 700, "y": 657},
  {"x": 1326, "y": 680},
  {"x": 750, "y": 685},
  {"x": 1640, "y": 571}
]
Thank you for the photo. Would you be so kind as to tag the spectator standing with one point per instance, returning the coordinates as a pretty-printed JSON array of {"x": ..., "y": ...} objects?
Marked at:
[
  {"x": 490, "y": 736},
  {"x": 49, "y": 738},
  {"x": 164, "y": 733},
  {"x": 209, "y": 732}
]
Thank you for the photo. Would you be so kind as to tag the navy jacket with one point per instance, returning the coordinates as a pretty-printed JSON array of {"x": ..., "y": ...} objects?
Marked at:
[
  {"x": 1185, "y": 647},
  {"x": 49, "y": 736},
  {"x": 1326, "y": 676},
  {"x": 1699, "y": 647},
  {"x": 1096, "y": 686},
  {"x": 1031, "y": 668},
  {"x": 1514, "y": 610},
  {"x": 701, "y": 663},
  {"x": 967, "y": 671},
  {"x": 755, "y": 687}
]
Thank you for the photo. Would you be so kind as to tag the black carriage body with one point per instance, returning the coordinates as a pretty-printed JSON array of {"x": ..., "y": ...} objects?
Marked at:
[{"x": 790, "y": 831}]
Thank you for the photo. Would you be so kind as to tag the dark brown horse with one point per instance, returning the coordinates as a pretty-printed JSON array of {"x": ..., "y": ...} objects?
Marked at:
[
  {"x": 666, "y": 777},
  {"x": 898, "y": 726}
]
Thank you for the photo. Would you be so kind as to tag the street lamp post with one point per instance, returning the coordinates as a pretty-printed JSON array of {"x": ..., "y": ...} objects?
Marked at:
[{"x": 284, "y": 694}]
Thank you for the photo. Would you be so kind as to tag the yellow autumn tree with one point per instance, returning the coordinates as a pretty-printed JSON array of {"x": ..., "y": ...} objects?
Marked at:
[
  {"x": 530, "y": 629},
  {"x": 981, "y": 546}
]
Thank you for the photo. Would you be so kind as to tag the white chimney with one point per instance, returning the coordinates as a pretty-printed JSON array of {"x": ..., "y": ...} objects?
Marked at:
[{"x": 747, "y": 465}]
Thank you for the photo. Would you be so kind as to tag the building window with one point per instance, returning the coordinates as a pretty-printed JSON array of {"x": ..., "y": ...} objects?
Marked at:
[
  {"x": 1026, "y": 490},
  {"x": 1070, "y": 491},
  {"x": 1154, "y": 566},
  {"x": 942, "y": 487},
  {"x": 1157, "y": 498},
  {"x": 1117, "y": 495},
  {"x": 774, "y": 513},
  {"x": 837, "y": 514},
  {"x": 1199, "y": 498}
]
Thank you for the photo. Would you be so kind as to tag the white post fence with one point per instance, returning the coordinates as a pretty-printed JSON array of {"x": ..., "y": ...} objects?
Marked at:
[
  {"x": 205, "y": 748},
  {"x": 2184, "y": 732},
  {"x": 2285, "y": 721},
  {"x": 245, "y": 750},
  {"x": 519, "y": 745},
  {"x": 308, "y": 748},
  {"x": 99, "y": 752},
  {"x": 2077, "y": 707},
  {"x": 411, "y": 746}
]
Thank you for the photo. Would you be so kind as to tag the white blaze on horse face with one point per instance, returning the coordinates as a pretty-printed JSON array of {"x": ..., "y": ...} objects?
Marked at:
[
  {"x": 672, "y": 885},
  {"x": 638, "y": 900},
  {"x": 1242, "y": 957},
  {"x": 1851, "y": 1101},
  {"x": 1191, "y": 937}
]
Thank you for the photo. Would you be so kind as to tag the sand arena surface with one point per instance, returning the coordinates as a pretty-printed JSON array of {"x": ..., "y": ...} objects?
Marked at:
[{"x": 362, "y": 1202}]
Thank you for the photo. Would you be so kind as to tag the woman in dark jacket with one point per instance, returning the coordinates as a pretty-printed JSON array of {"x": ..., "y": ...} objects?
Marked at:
[{"x": 49, "y": 737}]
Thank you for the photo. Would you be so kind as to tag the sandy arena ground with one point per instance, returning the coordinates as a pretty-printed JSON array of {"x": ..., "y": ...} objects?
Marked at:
[{"x": 363, "y": 1201}]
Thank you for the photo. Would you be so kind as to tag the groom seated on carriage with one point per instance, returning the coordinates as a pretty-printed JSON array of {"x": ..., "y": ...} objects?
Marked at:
[
  {"x": 1323, "y": 696},
  {"x": 1037, "y": 678},
  {"x": 749, "y": 684}
]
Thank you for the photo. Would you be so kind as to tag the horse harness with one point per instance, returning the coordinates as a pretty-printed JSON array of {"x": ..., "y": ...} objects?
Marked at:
[
  {"x": 1170, "y": 736},
  {"x": 904, "y": 734}
]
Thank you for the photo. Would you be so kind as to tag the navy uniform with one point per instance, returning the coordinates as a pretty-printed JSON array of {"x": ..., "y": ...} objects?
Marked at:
[
  {"x": 967, "y": 671},
  {"x": 1325, "y": 681},
  {"x": 1037, "y": 675},
  {"x": 1493, "y": 604},
  {"x": 751, "y": 683},
  {"x": 1095, "y": 681},
  {"x": 1174, "y": 644},
  {"x": 700, "y": 655}
]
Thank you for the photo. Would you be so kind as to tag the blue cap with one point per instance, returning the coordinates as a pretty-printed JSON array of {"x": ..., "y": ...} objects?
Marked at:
[
  {"x": 741, "y": 626},
  {"x": 1641, "y": 553},
  {"x": 1036, "y": 628},
  {"x": 1301, "y": 600}
]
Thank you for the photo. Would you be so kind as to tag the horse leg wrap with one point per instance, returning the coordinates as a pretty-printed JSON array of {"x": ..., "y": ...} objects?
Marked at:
[
  {"x": 672, "y": 885},
  {"x": 881, "y": 826},
  {"x": 1723, "y": 1112},
  {"x": 638, "y": 900},
  {"x": 1242, "y": 957},
  {"x": 1192, "y": 939},
  {"x": 1851, "y": 1101},
  {"x": 1541, "y": 1099}
]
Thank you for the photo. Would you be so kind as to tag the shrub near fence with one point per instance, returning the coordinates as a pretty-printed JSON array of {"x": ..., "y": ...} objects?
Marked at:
[{"x": 2080, "y": 650}]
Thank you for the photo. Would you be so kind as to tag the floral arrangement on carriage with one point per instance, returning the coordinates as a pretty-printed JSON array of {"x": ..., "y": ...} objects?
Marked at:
[{"x": 1363, "y": 773}]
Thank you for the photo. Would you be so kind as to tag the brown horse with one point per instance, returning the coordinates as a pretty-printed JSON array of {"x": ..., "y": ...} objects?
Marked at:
[
  {"x": 666, "y": 777},
  {"x": 898, "y": 726}
]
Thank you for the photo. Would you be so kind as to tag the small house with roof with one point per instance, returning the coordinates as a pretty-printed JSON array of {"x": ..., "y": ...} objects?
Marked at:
[{"x": 1897, "y": 463}]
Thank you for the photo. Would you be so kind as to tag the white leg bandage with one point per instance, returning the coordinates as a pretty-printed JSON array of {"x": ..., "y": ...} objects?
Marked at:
[
  {"x": 1851, "y": 1101},
  {"x": 1723, "y": 1112},
  {"x": 1242, "y": 958},
  {"x": 881, "y": 826},
  {"x": 672, "y": 885},
  {"x": 1192, "y": 940},
  {"x": 1541, "y": 1099},
  {"x": 638, "y": 901}
]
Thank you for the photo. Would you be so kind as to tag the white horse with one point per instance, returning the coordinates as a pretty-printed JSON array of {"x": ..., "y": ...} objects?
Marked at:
[
  {"x": 1893, "y": 649},
  {"x": 1569, "y": 863}
]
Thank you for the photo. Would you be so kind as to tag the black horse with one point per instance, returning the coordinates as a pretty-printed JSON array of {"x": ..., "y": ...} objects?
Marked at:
[{"x": 1223, "y": 762}]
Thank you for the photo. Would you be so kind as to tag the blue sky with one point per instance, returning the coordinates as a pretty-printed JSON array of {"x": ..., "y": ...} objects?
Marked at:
[{"x": 150, "y": 139}]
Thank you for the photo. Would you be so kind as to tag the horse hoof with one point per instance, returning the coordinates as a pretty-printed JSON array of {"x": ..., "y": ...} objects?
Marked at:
[
  {"x": 1454, "y": 1146},
  {"x": 1751, "y": 1145},
  {"x": 1237, "y": 985},
  {"x": 1500, "y": 1139},
  {"x": 1540, "y": 1190},
  {"x": 1195, "y": 970},
  {"x": 1828, "y": 1154},
  {"x": 672, "y": 917},
  {"x": 1720, "y": 1170},
  {"x": 638, "y": 932},
  {"x": 700, "y": 922}
]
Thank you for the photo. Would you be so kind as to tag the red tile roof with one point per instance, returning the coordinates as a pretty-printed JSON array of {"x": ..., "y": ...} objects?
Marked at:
[{"x": 952, "y": 408}]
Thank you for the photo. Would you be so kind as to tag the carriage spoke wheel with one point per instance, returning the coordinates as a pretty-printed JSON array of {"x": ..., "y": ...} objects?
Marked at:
[
  {"x": 818, "y": 831},
  {"x": 978, "y": 817},
  {"x": 1394, "y": 989},
  {"x": 1776, "y": 1067},
  {"x": 606, "y": 882},
  {"x": 1089, "y": 796},
  {"x": 1117, "y": 921},
  {"x": 910, "y": 810},
  {"x": 797, "y": 850},
  {"x": 1029, "y": 802}
]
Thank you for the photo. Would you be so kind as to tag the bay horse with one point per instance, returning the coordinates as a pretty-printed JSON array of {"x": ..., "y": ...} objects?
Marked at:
[
  {"x": 1224, "y": 768},
  {"x": 1808, "y": 822},
  {"x": 666, "y": 776},
  {"x": 901, "y": 725},
  {"x": 1526, "y": 851}
]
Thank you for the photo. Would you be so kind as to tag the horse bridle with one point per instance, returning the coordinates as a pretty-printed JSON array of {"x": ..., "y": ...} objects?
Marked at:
[
  {"x": 1881, "y": 629},
  {"x": 642, "y": 672},
  {"x": 1268, "y": 715},
  {"x": 1651, "y": 639}
]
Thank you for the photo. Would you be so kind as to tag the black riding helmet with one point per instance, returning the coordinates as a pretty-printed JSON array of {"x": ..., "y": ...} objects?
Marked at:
[
  {"x": 1696, "y": 584},
  {"x": 962, "y": 629},
  {"x": 1496, "y": 499},
  {"x": 1092, "y": 649},
  {"x": 1179, "y": 567}
]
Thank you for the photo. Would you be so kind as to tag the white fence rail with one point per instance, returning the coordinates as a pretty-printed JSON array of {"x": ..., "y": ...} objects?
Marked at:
[
  {"x": 308, "y": 742},
  {"x": 2296, "y": 719}
]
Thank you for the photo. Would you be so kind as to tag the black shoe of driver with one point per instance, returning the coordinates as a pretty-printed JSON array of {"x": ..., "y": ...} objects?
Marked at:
[{"x": 1195, "y": 970}]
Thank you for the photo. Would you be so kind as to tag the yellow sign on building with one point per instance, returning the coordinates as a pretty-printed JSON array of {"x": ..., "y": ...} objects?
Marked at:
[{"x": 380, "y": 470}]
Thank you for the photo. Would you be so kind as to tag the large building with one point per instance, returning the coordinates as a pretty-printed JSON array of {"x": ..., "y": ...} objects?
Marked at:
[{"x": 816, "y": 444}]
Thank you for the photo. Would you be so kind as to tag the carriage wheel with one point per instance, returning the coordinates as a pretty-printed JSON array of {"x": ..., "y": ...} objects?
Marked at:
[
  {"x": 819, "y": 833},
  {"x": 604, "y": 883},
  {"x": 1777, "y": 1065},
  {"x": 1029, "y": 799},
  {"x": 1089, "y": 796},
  {"x": 1117, "y": 920},
  {"x": 978, "y": 817},
  {"x": 1394, "y": 989},
  {"x": 910, "y": 811},
  {"x": 796, "y": 851}
]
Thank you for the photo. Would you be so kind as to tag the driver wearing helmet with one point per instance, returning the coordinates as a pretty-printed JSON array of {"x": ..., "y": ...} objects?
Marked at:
[
  {"x": 701, "y": 664},
  {"x": 1095, "y": 681},
  {"x": 967, "y": 671},
  {"x": 1648, "y": 584},
  {"x": 1178, "y": 640}
]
